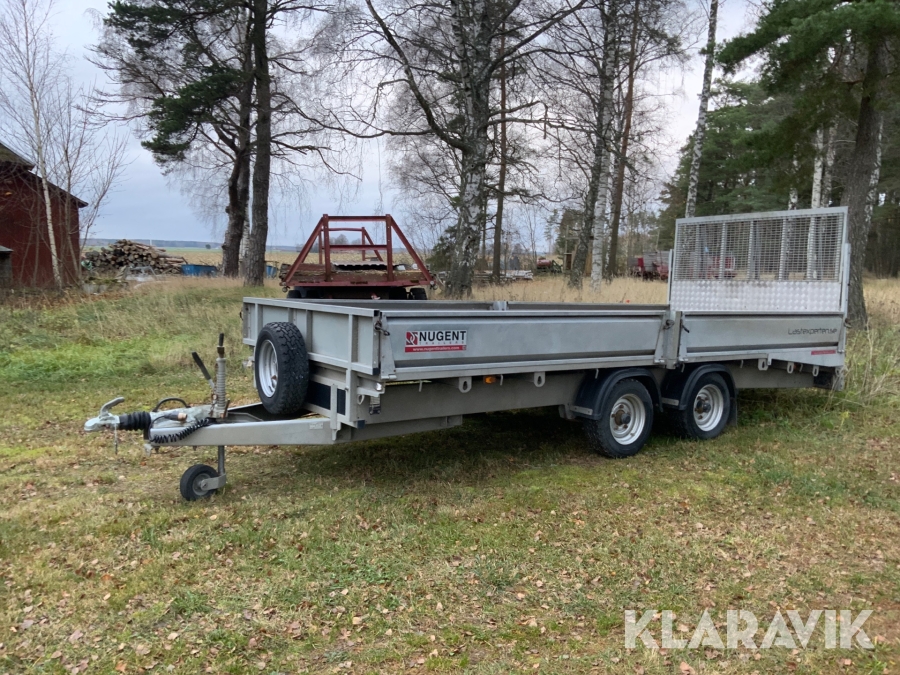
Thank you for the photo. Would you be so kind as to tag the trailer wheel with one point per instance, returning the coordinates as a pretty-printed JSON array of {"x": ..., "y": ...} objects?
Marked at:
[
  {"x": 281, "y": 367},
  {"x": 191, "y": 479},
  {"x": 625, "y": 421},
  {"x": 708, "y": 409},
  {"x": 417, "y": 294}
]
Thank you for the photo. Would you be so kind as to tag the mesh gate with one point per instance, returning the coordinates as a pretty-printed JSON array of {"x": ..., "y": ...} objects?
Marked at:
[{"x": 782, "y": 261}]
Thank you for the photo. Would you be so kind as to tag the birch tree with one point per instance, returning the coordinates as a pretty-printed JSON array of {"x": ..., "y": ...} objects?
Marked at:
[
  {"x": 30, "y": 69},
  {"x": 444, "y": 57},
  {"x": 598, "y": 79},
  {"x": 700, "y": 131},
  {"x": 575, "y": 75}
]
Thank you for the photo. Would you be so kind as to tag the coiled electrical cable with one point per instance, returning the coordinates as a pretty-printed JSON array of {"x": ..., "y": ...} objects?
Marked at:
[{"x": 180, "y": 434}]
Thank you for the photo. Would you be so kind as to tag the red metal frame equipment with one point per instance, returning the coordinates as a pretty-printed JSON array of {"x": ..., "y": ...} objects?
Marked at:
[{"x": 374, "y": 277}]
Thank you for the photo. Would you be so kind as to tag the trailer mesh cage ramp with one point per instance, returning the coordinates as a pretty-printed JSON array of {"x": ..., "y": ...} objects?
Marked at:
[
  {"x": 755, "y": 301},
  {"x": 788, "y": 261}
]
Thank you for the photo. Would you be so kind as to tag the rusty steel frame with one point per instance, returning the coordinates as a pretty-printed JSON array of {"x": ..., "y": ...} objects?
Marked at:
[{"x": 321, "y": 234}]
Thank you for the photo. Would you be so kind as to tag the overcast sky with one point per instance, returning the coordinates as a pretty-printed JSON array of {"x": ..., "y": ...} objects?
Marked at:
[{"x": 146, "y": 206}]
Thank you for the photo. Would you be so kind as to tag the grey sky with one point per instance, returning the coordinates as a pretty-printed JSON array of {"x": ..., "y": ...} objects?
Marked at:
[{"x": 145, "y": 205}]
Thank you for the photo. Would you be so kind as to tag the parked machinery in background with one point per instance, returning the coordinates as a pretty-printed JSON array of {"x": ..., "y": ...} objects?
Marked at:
[
  {"x": 387, "y": 270},
  {"x": 547, "y": 266},
  {"x": 653, "y": 265}
]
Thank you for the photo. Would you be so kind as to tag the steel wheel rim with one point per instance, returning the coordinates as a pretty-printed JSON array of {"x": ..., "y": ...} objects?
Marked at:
[
  {"x": 196, "y": 486},
  {"x": 709, "y": 406},
  {"x": 268, "y": 369},
  {"x": 627, "y": 419}
]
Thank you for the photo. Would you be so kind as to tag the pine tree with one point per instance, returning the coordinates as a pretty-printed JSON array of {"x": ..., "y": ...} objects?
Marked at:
[{"x": 833, "y": 56}]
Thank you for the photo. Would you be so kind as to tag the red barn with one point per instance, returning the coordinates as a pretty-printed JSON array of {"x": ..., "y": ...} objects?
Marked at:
[{"x": 23, "y": 226}]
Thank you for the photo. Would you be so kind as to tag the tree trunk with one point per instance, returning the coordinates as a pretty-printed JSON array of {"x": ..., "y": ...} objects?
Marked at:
[
  {"x": 862, "y": 177},
  {"x": 589, "y": 224},
  {"x": 239, "y": 180},
  {"x": 237, "y": 216},
  {"x": 700, "y": 133},
  {"x": 51, "y": 236},
  {"x": 69, "y": 228},
  {"x": 501, "y": 180},
  {"x": 45, "y": 183},
  {"x": 599, "y": 215},
  {"x": 828, "y": 169},
  {"x": 598, "y": 184},
  {"x": 594, "y": 210},
  {"x": 472, "y": 214},
  {"x": 476, "y": 80},
  {"x": 612, "y": 260},
  {"x": 816, "y": 200},
  {"x": 255, "y": 268}
]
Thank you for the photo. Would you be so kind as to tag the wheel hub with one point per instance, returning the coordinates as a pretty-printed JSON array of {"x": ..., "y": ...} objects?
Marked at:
[
  {"x": 627, "y": 419},
  {"x": 198, "y": 483},
  {"x": 709, "y": 406}
]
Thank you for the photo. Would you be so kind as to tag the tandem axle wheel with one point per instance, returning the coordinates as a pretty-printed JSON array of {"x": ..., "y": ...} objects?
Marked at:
[{"x": 201, "y": 480}]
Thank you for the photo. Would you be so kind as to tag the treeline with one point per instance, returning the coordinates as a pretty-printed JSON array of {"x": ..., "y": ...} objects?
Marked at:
[
  {"x": 815, "y": 129},
  {"x": 494, "y": 114},
  {"x": 753, "y": 160}
]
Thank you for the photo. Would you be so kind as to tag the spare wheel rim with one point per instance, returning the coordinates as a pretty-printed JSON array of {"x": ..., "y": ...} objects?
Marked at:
[{"x": 268, "y": 369}]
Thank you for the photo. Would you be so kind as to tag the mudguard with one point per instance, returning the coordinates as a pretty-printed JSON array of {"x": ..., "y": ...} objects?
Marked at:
[
  {"x": 679, "y": 381},
  {"x": 595, "y": 386}
]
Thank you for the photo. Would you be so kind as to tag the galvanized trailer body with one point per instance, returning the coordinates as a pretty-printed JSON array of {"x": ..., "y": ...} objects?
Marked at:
[
  {"x": 380, "y": 362},
  {"x": 755, "y": 301}
]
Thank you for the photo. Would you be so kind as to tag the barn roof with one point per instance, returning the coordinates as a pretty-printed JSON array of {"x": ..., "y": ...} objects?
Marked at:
[
  {"x": 10, "y": 156},
  {"x": 3, "y": 249}
]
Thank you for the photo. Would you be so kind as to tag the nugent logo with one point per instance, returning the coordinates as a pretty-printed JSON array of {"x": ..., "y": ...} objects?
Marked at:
[{"x": 435, "y": 340}]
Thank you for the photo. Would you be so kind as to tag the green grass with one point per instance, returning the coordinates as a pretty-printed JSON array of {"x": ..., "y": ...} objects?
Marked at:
[{"x": 491, "y": 548}]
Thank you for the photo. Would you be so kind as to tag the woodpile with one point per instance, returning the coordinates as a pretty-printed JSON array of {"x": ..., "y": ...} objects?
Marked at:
[{"x": 125, "y": 254}]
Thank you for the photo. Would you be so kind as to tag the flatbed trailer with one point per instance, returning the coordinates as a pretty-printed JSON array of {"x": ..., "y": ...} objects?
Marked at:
[{"x": 330, "y": 371}]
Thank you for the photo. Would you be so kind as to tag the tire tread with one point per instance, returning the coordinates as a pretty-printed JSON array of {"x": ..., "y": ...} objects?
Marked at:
[
  {"x": 293, "y": 368},
  {"x": 682, "y": 421},
  {"x": 599, "y": 436}
]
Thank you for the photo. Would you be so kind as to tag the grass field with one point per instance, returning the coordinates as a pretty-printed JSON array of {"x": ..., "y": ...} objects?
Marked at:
[{"x": 500, "y": 546}]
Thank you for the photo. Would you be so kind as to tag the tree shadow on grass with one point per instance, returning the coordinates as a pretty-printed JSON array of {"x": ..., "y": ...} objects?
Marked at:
[{"x": 486, "y": 449}]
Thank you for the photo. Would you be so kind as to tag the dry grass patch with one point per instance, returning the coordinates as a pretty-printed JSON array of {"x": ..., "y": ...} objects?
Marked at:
[{"x": 557, "y": 289}]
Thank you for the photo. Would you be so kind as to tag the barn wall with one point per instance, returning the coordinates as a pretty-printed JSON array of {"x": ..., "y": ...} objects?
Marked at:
[{"x": 23, "y": 228}]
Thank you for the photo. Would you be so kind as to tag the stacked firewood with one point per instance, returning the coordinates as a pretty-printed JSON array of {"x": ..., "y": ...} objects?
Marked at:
[{"x": 126, "y": 254}]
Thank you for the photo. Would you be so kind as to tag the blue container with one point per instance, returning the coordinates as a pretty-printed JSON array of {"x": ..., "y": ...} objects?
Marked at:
[
  {"x": 271, "y": 271},
  {"x": 199, "y": 270}
]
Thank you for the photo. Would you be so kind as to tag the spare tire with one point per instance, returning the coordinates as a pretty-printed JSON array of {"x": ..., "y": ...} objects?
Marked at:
[{"x": 281, "y": 368}]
